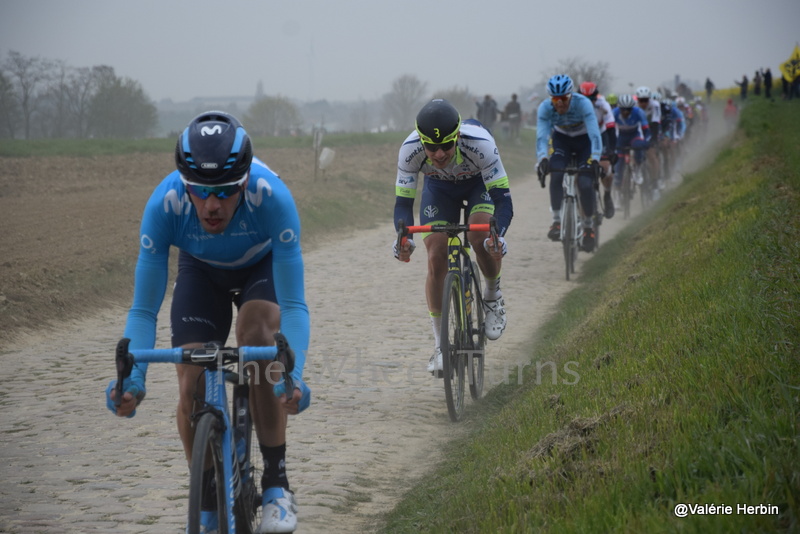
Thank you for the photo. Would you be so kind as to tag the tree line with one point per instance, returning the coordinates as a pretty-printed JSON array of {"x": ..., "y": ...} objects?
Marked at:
[{"x": 42, "y": 98}]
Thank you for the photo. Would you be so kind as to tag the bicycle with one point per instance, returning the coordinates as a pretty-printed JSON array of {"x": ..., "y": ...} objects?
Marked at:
[
  {"x": 463, "y": 334},
  {"x": 631, "y": 173},
  {"x": 571, "y": 210},
  {"x": 222, "y": 432}
]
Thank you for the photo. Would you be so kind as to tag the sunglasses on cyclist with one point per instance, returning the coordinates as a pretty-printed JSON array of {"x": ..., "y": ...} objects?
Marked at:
[
  {"x": 435, "y": 147},
  {"x": 560, "y": 98},
  {"x": 221, "y": 191},
  {"x": 644, "y": 100}
]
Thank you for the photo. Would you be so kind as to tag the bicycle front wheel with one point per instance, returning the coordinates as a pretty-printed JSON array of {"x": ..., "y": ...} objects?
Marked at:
[
  {"x": 568, "y": 229},
  {"x": 627, "y": 192},
  {"x": 247, "y": 507},
  {"x": 453, "y": 345},
  {"x": 207, "y": 456},
  {"x": 477, "y": 325}
]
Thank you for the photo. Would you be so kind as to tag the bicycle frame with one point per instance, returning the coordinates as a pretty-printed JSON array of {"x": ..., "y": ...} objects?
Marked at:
[{"x": 213, "y": 359}]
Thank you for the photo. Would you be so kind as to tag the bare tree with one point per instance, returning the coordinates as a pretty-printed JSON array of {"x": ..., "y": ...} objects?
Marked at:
[
  {"x": 581, "y": 70},
  {"x": 120, "y": 108},
  {"x": 80, "y": 91},
  {"x": 272, "y": 116},
  {"x": 29, "y": 75},
  {"x": 10, "y": 113},
  {"x": 462, "y": 100},
  {"x": 404, "y": 101}
]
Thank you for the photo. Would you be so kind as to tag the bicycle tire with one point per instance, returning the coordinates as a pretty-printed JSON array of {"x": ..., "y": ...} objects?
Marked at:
[
  {"x": 247, "y": 507},
  {"x": 477, "y": 319},
  {"x": 627, "y": 191},
  {"x": 207, "y": 440},
  {"x": 568, "y": 232},
  {"x": 452, "y": 346}
]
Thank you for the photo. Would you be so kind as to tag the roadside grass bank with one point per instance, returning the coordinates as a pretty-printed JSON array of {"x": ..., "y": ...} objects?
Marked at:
[{"x": 669, "y": 376}]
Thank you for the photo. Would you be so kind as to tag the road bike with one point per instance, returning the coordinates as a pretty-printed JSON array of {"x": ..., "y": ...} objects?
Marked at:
[
  {"x": 224, "y": 438},
  {"x": 571, "y": 214},
  {"x": 463, "y": 334},
  {"x": 631, "y": 175}
]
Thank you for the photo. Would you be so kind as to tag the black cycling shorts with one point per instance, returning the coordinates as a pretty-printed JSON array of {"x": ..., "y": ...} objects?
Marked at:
[{"x": 204, "y": 295}]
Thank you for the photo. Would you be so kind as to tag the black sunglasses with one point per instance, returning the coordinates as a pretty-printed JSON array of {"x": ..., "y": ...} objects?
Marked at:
[{"x": 434, "y": 147}]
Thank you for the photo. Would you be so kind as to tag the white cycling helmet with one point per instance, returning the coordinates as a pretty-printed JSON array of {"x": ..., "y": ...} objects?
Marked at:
[
  {"x": 643, "y": 92},
  {"x": 656, "y": 95},
  {"x": 625, "y": 101}
]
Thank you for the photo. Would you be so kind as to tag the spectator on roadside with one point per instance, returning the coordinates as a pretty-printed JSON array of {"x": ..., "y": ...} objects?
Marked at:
[
  {"x": 757, "y": 83},
  {"x": 743, "y": 86},
  {"x": 768, "y": 83},
  {"x": 487, "y": 112},
  {"x": 709, "y": 89},
  {"x": 513, "y": 114}
]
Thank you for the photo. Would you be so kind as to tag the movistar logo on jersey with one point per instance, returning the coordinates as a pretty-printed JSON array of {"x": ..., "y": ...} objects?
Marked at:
[{"x": 256, "y": 198}]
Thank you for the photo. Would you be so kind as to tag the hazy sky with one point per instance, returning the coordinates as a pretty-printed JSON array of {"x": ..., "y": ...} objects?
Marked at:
[{"x": 354, "y": 49}]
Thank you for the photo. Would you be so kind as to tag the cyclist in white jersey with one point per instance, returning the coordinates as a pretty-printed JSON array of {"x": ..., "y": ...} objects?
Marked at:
[
  {"x": 652, "y": 110},
  {"x": 608, "y": 131},
  {"x": 460, "y": 162}
]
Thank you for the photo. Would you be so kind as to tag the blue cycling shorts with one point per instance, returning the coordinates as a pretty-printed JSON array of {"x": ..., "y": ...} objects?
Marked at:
[
  {"x": 442, "y": 201},
  {"x": 204, "y": 296}
]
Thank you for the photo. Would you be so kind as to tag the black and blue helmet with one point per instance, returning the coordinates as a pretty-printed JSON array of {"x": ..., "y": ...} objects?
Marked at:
[
  {"x": 213, "y": 149},
  {"x": 559, "y": 85}
]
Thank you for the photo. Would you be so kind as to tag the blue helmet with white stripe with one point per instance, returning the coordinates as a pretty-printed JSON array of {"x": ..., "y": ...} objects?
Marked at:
[
  {"x": 559, "y": 85},
  {"x": 213, "y": 149}
]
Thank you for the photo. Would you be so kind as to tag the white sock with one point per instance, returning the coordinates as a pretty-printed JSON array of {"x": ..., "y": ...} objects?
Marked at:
[
  {"x": 491, "y": 290},
  {"x": 436, "y": 324}
]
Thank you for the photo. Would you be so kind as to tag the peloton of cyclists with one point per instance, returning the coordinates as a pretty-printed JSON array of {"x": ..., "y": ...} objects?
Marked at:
[
  {"x": 460, "y": 162},
  {"x": 571, "y": 121},
  {"x": 652, "y": 110}
]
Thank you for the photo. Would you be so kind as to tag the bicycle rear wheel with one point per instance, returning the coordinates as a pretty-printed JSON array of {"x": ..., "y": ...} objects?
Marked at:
[
  {"x": 568, "y": 229},
  {"x": 207, "y": 454},
  {"x": 453, "y": 345},
  {"x": 476, "y": 315}
]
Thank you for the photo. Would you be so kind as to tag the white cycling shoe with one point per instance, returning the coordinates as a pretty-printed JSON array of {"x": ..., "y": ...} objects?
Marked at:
[
  {"x": 279, "y": 511},
  {"x": 495, "y": 321},
  {"x": 435, "y": 364}
]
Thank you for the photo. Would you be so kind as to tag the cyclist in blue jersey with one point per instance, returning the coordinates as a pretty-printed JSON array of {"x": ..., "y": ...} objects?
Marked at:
[
  {"x": 237, "y": 231},
  {"x": 652, "y": 110},
  {"x": 460, "y": 162},
  {"x": 633, "y": 131},
  {"x": 571, "y": 120}
]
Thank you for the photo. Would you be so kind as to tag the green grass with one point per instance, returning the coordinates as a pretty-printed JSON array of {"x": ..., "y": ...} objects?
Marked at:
[{"x": 684, "y": 337}]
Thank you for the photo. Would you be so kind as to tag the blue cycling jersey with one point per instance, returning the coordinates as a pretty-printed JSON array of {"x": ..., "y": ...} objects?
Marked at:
[
  {"x": 679, "y": 122},
  {"x": 265, "y": 221},
  {"x": 635, "y": 123},
  {"x": 580, "y": 119}
]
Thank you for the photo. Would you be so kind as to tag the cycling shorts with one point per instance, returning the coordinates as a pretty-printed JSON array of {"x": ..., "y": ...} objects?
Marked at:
[
  {"x": 204, "y": 295},
  {"x": 442, "y": 201}
]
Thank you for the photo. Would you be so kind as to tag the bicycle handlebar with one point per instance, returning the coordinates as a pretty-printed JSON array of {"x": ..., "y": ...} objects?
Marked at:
[
  {"x": 403, "y": 231},
  {"x": 208, "y": 356}
]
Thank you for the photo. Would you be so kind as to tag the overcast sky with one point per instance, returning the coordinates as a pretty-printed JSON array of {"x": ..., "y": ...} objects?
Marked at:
[{"x": 354, "y": 49}]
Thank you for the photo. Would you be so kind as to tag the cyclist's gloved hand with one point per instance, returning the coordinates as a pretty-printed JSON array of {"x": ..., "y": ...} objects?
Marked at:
[
  {"x": 501, "y": 243},
  {"x": 410, "y": 249},
  {"x": 279, "y": 389},
  {"x": 136, "y": 390},
  {"x": 543, "y": 169}
]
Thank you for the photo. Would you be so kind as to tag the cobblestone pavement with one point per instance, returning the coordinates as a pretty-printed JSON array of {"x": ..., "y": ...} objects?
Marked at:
[{"x": 375, "y": 426}]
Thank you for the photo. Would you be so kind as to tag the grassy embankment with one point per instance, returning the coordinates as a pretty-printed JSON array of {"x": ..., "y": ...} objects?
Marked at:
[{"x": 670, "y": 375}]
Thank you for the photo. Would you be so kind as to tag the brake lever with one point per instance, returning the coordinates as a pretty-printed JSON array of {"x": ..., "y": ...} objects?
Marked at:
[
  {"x": 285, "y": 356},
  {"x": 124, "y": 362}
]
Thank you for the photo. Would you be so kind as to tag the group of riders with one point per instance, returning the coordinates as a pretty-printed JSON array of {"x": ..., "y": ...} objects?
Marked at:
[{"x": 601, "y": 132}]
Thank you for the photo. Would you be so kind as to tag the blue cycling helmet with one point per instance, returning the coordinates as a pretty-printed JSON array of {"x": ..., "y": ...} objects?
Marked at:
[
  {"x": 559, "y": 85},
  {"x": 214, "y": 149}
]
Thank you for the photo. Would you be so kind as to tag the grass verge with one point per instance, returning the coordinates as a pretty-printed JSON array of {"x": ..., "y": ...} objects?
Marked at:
[{"x": 670, "y": 376}]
